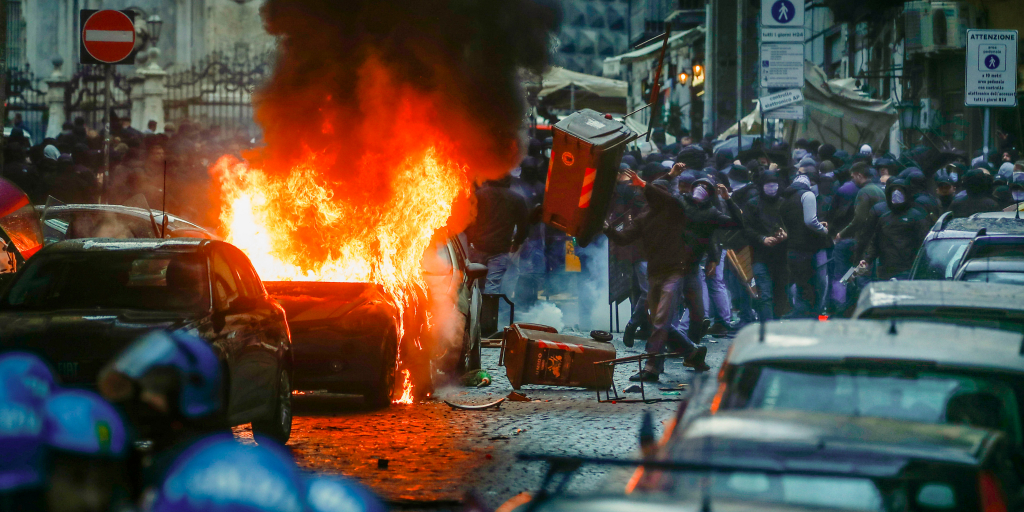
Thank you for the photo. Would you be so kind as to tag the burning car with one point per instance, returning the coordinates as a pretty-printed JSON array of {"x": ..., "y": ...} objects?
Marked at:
[
  {"x": 78, "y": 303},
  {"x": 347, "y": 335}
]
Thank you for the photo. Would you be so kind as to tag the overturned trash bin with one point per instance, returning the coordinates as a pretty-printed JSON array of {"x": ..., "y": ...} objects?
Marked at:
[
  {"x": 537, "y": 354},
  {"x": 585, "y": 154}
]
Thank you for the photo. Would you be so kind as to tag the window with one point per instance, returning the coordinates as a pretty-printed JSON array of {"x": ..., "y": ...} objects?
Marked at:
[
  {"x": 939, "y": 258},
  {"x": 225, "y": 289},
  {"x": 135, "y": 280},
  {"x": 250, "y": 283}
]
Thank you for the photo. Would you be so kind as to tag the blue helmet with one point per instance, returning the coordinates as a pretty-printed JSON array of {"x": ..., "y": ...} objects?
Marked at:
[
  {"x": 24, "y": 376},
  {"x": 82, "y": 422},
  {"x": 219, "y": 474},
  {"x": 332, "y": 494},
  {"x": 197, "y": 365},
  {"x": 22, "y": 445}
]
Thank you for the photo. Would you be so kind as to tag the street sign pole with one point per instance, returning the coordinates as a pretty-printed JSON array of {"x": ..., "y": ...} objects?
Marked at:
[
  {"x": 106, "y": 132},
  {"x": 739, "y": 78},
  {"x": 985, "y": 133}
]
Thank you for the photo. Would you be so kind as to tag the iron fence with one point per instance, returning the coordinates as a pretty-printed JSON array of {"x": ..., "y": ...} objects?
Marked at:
[
  {"x": 26, "y": 97},
  {"x": 86, "y": 91},
  {"x": 217, "y": 91}
]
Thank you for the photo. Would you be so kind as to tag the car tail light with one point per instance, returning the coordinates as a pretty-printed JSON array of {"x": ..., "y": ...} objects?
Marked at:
[
  {"x": 992, "y": 499},
  {"x": 823, "y": 318}
]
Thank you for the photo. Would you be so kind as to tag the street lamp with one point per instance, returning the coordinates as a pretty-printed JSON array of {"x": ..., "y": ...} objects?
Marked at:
[{"x": 153, "y": 24}]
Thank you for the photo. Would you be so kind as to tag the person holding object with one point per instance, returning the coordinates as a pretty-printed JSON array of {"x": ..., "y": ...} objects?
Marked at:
[{"x": 807, "y": 241}]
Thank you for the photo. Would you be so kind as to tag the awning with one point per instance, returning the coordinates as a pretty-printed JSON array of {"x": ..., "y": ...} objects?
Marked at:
[
  {"x": 652, "y": 50},
  {"x": 558, "y": 86}
]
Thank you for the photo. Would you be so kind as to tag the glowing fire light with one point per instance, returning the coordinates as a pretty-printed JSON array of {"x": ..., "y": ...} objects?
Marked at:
[
  {"x": 273, "y": 218},
  {"x": 406, "y": 398}
]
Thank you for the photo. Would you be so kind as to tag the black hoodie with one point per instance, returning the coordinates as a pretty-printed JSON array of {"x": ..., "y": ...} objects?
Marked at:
[
  {"x": 916, "y": 182},
  {"x": 802, "y": 237},
  {"x": 894, "y": 233},
  {"x": 762, "y": 218},
  {"x": 978, "y": 199}
]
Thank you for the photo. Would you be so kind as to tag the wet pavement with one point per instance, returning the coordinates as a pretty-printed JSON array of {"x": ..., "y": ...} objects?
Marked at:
[{"x": 436, "y": 455}]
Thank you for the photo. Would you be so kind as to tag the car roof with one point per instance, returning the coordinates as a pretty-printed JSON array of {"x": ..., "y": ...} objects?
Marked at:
[
  {"x": 992, "y": 222},
  {"x": 127, "y": 244},
  {"x": 783, "y": 432},
  {"x": 944, "y": 345},
  {"x": 174, "y": 222},
  {"x": 939, "y": 294}
]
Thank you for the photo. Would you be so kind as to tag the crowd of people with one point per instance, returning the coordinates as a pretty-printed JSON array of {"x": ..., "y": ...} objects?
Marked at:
[
  {"x": 805, "y": 215},
  {"x": 69, "y": 449},
  {"x": 69, "y": 168}
]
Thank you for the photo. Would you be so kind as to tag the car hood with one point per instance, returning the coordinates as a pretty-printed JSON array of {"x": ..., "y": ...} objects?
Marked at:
[{"x": 78, "y": 342}]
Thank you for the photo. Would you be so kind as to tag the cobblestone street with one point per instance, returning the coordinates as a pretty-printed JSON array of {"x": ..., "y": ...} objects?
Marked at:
[{"x": 435, "y": 455}]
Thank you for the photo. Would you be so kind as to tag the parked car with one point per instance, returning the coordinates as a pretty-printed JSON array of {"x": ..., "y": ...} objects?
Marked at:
[
  {"x": 79, "y": 303},
  {"x": 995, "y": 306},
  {"x": 756, "y": 460},
  {"x": 906, "y": 370},
  {"x": 74, "y": 221},
  {"x": 346, "y": 335},
  {"x": 944, "y": 246},
  {"x": 20, "y": 234}
]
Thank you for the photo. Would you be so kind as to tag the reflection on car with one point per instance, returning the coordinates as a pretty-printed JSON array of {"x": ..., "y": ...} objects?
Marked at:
[{"x": 992, "y": 305}]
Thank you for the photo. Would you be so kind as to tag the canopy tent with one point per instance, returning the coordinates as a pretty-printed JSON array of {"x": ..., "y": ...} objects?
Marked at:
[
  {"x": 835, "y": 111},
  {"x": 561, "y": 88}
]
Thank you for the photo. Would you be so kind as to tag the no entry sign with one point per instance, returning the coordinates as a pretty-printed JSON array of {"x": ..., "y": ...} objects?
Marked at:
[{"x": 108, "y": 37}]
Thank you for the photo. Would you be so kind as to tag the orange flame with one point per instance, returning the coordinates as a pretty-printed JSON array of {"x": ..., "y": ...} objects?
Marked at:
[{"x": 406, "y": 398}]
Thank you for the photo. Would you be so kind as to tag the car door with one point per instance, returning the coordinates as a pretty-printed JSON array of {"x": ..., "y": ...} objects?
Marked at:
[
  {"x": 271, "y": 344},
  {"x": 237, "y": 333}
]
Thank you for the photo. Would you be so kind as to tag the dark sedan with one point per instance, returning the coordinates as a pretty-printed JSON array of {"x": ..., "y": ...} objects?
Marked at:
[{"x": 79, "y": 303}]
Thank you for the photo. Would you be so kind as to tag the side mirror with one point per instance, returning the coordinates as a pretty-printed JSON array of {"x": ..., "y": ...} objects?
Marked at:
[{"x": 476, "y": 271}]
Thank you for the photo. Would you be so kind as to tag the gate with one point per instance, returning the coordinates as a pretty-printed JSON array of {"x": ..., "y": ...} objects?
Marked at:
[
  {"x": 26, "y": 97},
  {"x": 217, "y": 91},
  {"x": 84, "y": 96}
]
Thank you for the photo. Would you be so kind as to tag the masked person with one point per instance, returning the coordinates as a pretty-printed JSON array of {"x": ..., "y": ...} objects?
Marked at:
[
  {"x": 89, "y": 449},
  {"x": 944, "y": 189},
  {"x": 663, "y": 232},
  {"x": 978, "y": 197},
  {"x": 916, "y": 183},
  {"x": 764, "y": 230},
  {"x": 1016, "y": 192},
  {"x": 807, "y": 241},
  {"x": 895, "y": 234}
]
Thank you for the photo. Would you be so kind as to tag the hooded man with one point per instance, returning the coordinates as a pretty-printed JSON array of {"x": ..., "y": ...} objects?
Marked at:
[
  {"x": 501, "y": 226},
  {"x": 978, "y": 197},
  {"x": 764, "y": 230},
  {"x": 944, "y": 189},
  {"x": 916, "y": 182},
  {"x": 895, "y": 233},
  {"x": 661, "y": 230},
  {"x": 808, "y": 238}
]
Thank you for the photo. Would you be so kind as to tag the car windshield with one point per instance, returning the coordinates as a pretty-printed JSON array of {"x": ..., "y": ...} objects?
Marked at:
[
  {"x": 995, "y": 277},
  {"x": 904, "y": 394},
  {"x": 827, "y": 492},
  {"x": 147, "y": 281},
  {"x": 939, "y": 258}
]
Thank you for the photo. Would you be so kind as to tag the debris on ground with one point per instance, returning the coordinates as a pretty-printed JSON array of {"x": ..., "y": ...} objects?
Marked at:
[
  {"x": 518, "y": 397},
  {"x": 635, "y": 388},
  {"x": 494, "y": 405},
  {"x": 476, "y": 378},
  {"x": 382, "y": 463}
]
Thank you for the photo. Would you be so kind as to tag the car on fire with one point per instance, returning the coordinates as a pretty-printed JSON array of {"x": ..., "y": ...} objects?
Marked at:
[
  {"x": 346, "y": 335},
  {"x": 78, "y": 303},
  {"x": 991, "y": 305}
]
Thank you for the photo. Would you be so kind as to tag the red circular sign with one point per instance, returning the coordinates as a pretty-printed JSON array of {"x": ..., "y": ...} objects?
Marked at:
[{"x": 109, "y": 36}]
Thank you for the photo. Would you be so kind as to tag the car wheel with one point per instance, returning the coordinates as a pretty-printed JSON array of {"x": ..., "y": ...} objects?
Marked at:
[
  {"x": 278, "y": 425},
  {"x": 474, "y": 349},
  {"x": 381, "y": 392}
]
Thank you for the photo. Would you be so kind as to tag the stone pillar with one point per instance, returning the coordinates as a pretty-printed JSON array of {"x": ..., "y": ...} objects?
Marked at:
[
  {"x": 148, "y": 93},
  {"x": 57, "y": 84}
]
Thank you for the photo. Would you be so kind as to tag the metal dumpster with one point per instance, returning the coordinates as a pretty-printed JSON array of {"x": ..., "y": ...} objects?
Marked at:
[
  {"x": 586, "y": 150},
  {"x": 537, "y": 354}
]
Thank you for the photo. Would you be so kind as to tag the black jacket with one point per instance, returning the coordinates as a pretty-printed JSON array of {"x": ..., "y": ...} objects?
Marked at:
[
  {"x": 894, "y": 234},
  {"x": 978, "y": 199},
  {"x": 676, "y": 232},
  {"x": 762, "y": 218},
  {"x": 801, "y": 237},
  {"x": 501, "y": 215}
]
